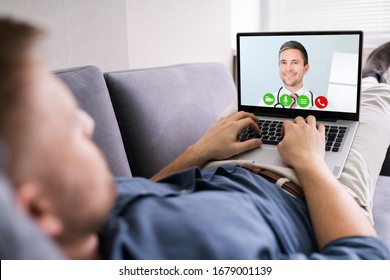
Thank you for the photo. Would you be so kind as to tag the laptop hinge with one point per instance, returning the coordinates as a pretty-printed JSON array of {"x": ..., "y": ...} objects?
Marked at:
[{"x": 326, "y": 120}]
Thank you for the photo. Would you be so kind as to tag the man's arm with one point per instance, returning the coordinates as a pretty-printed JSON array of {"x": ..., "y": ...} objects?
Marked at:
[
  {"x": 334, "y": 213},
  {"x": 219, "y": 142}
]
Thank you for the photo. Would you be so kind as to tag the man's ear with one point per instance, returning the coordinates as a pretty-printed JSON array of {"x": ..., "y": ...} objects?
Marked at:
[
  {"x": 306, "y": 68},
  {"x": 39, "y": 207}
]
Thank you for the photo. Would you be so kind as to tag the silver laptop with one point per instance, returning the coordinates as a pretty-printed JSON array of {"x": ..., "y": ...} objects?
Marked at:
[{"x": 287, "y": 74}]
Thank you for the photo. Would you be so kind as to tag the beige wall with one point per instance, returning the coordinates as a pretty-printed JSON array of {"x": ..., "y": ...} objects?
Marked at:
[
  {"x": 80, "y": 32},
  {"x": 178, "y": 31},
  {"x": 121, "y": 34}
]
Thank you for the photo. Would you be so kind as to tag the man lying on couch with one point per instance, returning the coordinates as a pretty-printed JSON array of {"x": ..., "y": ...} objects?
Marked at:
[{"x": 228, "y": 212}]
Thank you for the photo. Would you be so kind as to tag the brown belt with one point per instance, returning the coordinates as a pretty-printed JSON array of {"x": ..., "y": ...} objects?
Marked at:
[{"x": 272, "y": 177}]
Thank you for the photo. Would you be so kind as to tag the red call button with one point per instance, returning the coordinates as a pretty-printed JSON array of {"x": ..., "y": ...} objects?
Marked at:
[{"x": 321, "y": 102}]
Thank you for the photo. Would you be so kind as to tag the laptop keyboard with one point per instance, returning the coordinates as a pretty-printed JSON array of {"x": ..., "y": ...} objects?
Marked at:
[
  {"x": 334, "y": 136},
  {"x": 270, "y": 133}
]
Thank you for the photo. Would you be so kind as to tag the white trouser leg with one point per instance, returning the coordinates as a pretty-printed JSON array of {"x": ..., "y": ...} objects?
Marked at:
[{"x": 372, "y": 139}]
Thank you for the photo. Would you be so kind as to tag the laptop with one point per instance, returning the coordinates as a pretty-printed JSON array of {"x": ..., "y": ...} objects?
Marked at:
[{"x": 278, "y": 87}]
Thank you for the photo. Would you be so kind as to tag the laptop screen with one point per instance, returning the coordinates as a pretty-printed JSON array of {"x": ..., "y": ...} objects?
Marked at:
[{"x": 304, "y": 73}]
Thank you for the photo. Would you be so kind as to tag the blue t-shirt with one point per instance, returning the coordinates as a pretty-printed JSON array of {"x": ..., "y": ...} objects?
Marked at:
[{"x": 218, "y": 213}]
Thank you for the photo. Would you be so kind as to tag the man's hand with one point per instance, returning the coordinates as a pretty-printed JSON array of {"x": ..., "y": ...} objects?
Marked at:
[
  {"x": 303, "y": 141},
  {"x": 220, "y": 141},
  {"x": 333, "y": 211}
]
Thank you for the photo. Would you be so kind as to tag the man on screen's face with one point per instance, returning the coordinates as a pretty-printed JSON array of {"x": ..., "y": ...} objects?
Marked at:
[{"x": 293, "y": 65}]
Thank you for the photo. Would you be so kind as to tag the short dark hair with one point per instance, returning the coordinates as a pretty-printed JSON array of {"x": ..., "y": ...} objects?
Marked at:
[
  {"x": 17, "y": 39},
  {"x": 297, "y": 46}
]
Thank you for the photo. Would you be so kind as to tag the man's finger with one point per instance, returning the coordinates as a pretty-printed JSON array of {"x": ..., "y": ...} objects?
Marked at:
[
  {"x": 247, "y": 145},
  {"x": 242, "y": 115},
  {"x": 321, "y": 128},
  {"x": 299, "y": 120},
  {"x": 311, "y": 120},
  {"x": 243, "y": 123},
  {"x": 285, "y": 125}
]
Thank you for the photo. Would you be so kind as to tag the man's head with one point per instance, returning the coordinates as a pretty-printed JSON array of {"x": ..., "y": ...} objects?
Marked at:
[
  {"x": 293, "y": 64},
  {"x": 59, "y": 174}
]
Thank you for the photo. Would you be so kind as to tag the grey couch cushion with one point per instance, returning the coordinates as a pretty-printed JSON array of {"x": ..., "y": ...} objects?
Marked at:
[
  {"x": 88, "y": 85},
  {"x": 162, "y": 111}
]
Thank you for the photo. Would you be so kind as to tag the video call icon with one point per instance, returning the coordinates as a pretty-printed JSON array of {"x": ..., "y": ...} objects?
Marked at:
[
  {"x": 269, "y": 99},
  {"x": 321, "y": 102},
  {"x": 303, "y": 101},
  {"x": 285, "y": 100}
]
